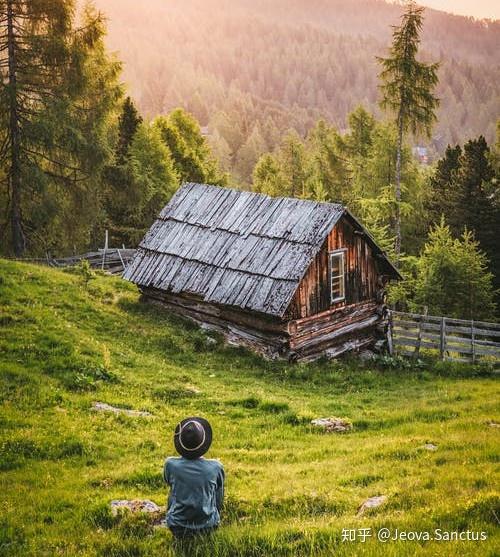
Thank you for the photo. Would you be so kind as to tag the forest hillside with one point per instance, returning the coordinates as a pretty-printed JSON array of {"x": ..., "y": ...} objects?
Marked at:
[{"x": 285, "y": 63}]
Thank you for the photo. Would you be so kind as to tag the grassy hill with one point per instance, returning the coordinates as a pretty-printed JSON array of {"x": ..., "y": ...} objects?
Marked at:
[{"x": 290, "y": 489}]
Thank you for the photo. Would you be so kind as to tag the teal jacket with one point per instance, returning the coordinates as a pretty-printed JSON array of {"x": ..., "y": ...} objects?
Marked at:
[{"x": 196, "y": 492}]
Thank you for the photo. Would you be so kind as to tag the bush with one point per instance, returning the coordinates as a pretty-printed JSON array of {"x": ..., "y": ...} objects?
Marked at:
[
  {"x": 249, "y": 402},
  {"x": 274, "y": 407}
]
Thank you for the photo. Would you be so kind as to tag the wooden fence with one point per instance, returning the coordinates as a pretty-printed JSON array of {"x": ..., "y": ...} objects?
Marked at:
[
  {"x": 111, "y": 260},
  {"x": 451, "y": 339}
]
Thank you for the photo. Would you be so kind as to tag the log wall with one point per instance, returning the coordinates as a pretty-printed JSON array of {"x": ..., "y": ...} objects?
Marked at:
[
  {"x": 266, "y": 335},
  {"x": 362, "y": 274},
  {"x": 332, "y": 332}
]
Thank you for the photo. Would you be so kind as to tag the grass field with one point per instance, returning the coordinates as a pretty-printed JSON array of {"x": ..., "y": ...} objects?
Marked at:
[{"x": 291, "y": 490}]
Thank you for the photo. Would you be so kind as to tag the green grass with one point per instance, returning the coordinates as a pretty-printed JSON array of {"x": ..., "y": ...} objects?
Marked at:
[{"x": 290, "y": 489}]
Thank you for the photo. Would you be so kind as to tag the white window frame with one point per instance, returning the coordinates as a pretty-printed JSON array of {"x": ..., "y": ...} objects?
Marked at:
[{"x": 341, "y": 254}]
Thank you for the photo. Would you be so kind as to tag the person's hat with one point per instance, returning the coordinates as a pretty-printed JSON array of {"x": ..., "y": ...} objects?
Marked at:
[{"x": 192, "y": 437}]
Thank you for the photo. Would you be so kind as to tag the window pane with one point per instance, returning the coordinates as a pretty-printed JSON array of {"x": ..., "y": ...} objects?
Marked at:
[
  {"x": 335, "y": 265},
  {"x": 336, "y": 287}
]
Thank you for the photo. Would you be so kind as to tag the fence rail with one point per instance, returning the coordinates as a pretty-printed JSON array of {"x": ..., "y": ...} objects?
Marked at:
[
  {"x": 111, "y": 260},
  {"x": 453, "y": 339}
]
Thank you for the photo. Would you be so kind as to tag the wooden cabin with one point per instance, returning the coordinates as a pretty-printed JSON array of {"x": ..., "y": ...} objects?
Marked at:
[{"x": 286, "y": 277}]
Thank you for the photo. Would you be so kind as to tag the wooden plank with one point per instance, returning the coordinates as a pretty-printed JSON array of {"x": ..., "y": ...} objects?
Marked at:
[
  {"x": 472, "y": 339},
  {"x": 477, "y": 324},
  {"x": 477, "y": 331},
  {"x": 337, "y": 332},
  {"x": 487, "y": 351},
  {"x": 450, "y": 321},
  {"x": 456, "y": 359},
  {"x": 416, "y": 316},
  {"x": 442, "y": 342},
  {"x": 414, "y": 342}
]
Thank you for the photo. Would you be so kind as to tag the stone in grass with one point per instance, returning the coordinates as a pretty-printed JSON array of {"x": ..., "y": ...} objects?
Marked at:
[
  {"x": 371, "y": 503},
  {"x": 156, "y": 513},
  {"x": 104, "y": 407},
  {"x": 430, "y": 447},
  {"x": 333, "y": 425},
  {"x": 492, "y": 423}
]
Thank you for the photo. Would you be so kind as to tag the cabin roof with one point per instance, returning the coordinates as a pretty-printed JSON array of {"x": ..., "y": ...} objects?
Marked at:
[{"x": 233, "y": 247}]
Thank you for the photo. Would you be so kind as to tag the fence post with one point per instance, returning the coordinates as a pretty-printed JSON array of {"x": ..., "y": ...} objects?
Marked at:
[
  {"x": 442, "y": 343},
  {"x": 105, "y": 250},
  {"x": 416, "y": 352},
  {"x": 390, "y": 344},
  {"x": 472, "y": 341}
]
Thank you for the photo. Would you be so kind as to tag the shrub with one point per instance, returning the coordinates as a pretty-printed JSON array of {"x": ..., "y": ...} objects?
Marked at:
[
  {"x": 274, "y": 407},
  {"x": 249, "y": 402}
]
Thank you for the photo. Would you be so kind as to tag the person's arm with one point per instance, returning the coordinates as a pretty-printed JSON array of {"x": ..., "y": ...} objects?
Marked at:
[
  {"x": 166, "y": 476},
  {"x": 219, "y": 494}
]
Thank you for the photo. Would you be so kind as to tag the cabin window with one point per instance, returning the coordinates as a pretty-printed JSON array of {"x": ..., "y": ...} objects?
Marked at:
[{"x": 337, "y": 276}]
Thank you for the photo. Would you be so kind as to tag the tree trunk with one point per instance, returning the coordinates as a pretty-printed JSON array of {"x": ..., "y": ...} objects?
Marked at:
[
  {"x": 397, "y": 189},
  {"x": 14, "y": 174}
]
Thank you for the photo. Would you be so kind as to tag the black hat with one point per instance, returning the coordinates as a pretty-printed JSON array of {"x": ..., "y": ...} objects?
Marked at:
[{"x": 192, "y": 437}]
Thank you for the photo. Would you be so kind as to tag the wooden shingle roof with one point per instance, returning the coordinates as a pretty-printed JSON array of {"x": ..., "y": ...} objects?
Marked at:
[{"x": 233, "y": 247}]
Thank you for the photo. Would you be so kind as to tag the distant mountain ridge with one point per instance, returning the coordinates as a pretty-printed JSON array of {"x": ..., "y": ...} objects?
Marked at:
[{"x": 284, "y": 63}]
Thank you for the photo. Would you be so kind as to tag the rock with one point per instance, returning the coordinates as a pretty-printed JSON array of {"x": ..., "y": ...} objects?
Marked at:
[
  {"x": 333, "y": 425},
  {"x": 492, "y": 423},
  {"x": 103, "y": 407},
  {"x": 380, "y": 346},
  {"x": 210, "y": 341},
  {"x": 193, "y": 390},
  {"x": 135, "y": 506},
  {"x": 430, "y": 447},
  {"x": 371, "y": 503},
  {"x": 367, "y": 355}
]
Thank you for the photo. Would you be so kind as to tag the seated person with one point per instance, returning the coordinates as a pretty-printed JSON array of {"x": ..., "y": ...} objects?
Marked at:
[{"x": 196, "y": 483}]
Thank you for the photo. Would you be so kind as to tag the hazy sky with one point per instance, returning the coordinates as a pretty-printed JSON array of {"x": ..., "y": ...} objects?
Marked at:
[{"x": 476, "y": 8}]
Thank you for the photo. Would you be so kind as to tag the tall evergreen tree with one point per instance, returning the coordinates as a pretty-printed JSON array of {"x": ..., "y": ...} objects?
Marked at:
[
  {"x": 329, "y": 169},
  {"x": 190, "y": 151},
  {"x": 407, "y": 91},
  {"x": 128, "y": 122},
  {"x": 453, "y": 277},
  {"x": 443, "y": 198},
  {"x": 476, "y": 208},
  {"x": 267, "y": 176},
  {"x": 249, "y": 154},
  {"x": 153, "y": 176},
  {"x": 51, "y": 122}
]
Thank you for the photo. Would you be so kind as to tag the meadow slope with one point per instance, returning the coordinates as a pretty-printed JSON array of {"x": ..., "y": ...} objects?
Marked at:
[{"x": 290, "y": 490}]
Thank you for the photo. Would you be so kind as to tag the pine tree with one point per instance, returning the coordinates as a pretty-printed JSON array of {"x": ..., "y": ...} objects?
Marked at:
[
  {"x": 294, "y": 165},
  {"x": 267, "y": 176},
  {"x": 407, "y": 91},
  {"x": 193, "y": 161},
  {"x": 453, "y": 277},
  {"x": 476, "y": 209},
  {"x": 249, "y": 154},
  {"x": 328, "y": 165},
  {"x": 153, "y": 176},
  {"x": 129, "y": 121},
  {"x": 51, "y": 122},
  {"x": 443, "y": 185}
]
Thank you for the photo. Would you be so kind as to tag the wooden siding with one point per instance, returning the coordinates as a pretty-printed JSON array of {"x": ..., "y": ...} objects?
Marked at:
[{"x": 313, "y": 294}]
